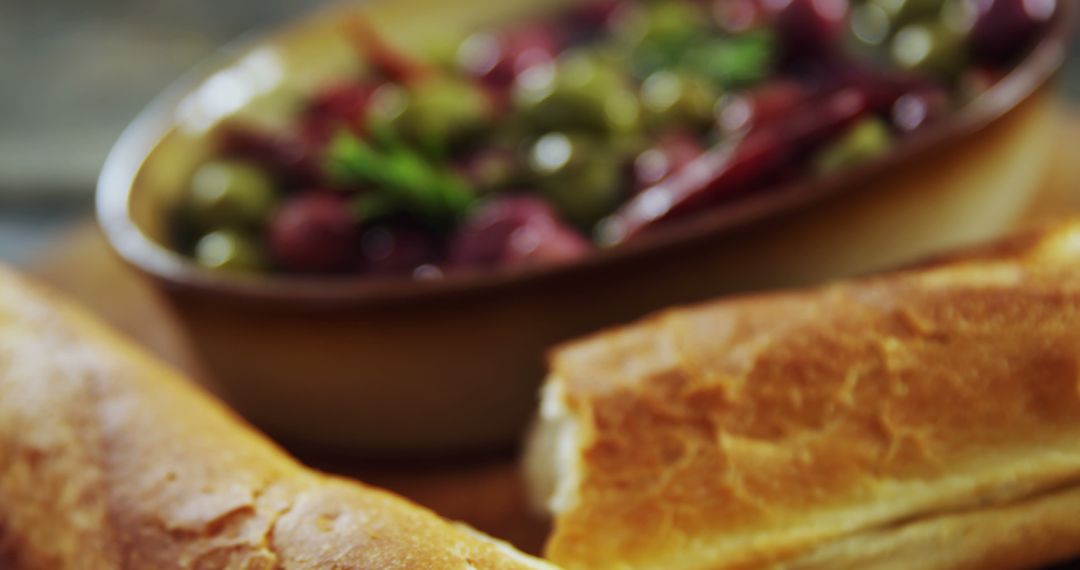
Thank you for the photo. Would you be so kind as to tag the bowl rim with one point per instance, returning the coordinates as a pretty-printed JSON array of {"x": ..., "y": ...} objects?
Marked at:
[{"x": 141, "y": 139}]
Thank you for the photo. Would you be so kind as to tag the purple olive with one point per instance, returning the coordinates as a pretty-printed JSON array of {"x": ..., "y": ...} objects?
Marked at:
[
  {"x": 290, "y": 158},
  {"x": 595, "y": 15},
  {"x": 1004, "y": 28},
  {"x": 313, "y": 233},
  {"x": 390, "y": 251},
  {"x": 809, "y": 28},
  {"x": 540, "y": 242},
  {"x": 512, "y": 230}
]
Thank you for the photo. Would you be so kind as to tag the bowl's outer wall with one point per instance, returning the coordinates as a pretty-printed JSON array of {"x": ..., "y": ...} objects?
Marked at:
[{"x": 464, "y": 371}]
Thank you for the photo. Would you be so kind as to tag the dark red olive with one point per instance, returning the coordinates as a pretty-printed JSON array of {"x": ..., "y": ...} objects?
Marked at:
[
  {"x": 394, "y": 251},
  {"x": 313, "y": 232},
  {"x": 289, "y": 158},
  {"x": 487, "y": 237},
  {"x": 540, "y": 242},
  {"x": 809, "y": 28},
  {"x": 594, "y": 15},
  {"x": 481, "y": 239},
  {"x": 497, "y": 58},
  {"x": 666, "y": 158},
  {"x": 1004, "y": 28}
]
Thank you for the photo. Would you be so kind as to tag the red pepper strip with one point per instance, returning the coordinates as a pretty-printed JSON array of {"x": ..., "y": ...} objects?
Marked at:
[
  {"x": 388, "y": 60},
  {"x": 725, "y": 172}
]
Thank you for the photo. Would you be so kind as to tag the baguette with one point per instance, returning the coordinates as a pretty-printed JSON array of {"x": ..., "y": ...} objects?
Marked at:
[
  {"x": 926, "y": 419},
  {"x": 110, "y": 460}
]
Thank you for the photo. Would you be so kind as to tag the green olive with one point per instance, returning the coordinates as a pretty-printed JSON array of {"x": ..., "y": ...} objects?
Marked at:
[
  {"x": 440, "y": 112},
  {"x": 678, "y": 98},
  {"x": 230, "y": 251},
  {"x": 225, "y": 194},
  {"x": 866, "y": 140},
  {"x": 937, "y": 49},
  {"x": 583, "y": 91},
  {"x": 662, "y": 29},
  {"x": 871, "y": 27},
  {"x": 581, "y": 177},
  {"x": 903, "y": 12}
]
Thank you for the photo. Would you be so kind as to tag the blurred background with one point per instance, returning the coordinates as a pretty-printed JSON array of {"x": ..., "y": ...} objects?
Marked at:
[{"x": 76, "y": 72}]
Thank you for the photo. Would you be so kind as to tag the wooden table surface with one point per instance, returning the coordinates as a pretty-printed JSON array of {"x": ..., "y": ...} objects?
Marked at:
[{"x": 485, "y": 492}]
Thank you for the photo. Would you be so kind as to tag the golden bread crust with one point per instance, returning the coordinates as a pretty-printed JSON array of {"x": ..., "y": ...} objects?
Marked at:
[
  {"x": 110, "y": 460},
  {"x": 767, "y": 430}
]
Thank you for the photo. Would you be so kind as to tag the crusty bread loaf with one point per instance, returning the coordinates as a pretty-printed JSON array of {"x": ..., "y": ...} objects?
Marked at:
[
  {"x": 926, "y": 419},
  {"x": 109, "y": 460}
]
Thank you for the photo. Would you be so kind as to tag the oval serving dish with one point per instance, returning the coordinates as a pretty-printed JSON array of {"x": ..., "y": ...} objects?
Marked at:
[{"x": 415, "y": 366}]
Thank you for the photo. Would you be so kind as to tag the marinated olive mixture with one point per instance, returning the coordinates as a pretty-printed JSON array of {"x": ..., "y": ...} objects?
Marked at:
[{"x": 540, "y": 141}]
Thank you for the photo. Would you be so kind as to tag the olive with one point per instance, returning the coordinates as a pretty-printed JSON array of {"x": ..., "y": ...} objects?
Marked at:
[
  {"x": 736, "y": 16},
  {"x": 903, "y": 12},
  {"x": 936, "y": 49},
  {"x": 871, "y": 26},
  {"x": 582, "y": 92},
  {"x": 290, "y": 158},
  {"x": 313, "y": 232},
  {"x": 498, "y": 58},
  {"x": 662, "y": 25},
  {"x": 809, "y": 28},
  {"x": 438, "y": 113},
  {"x": 490, "y": 168},
  {"x": 681, "y": 99},
  {"x": 579, "y": 176},
  {"x": 593, "y": 17},
  {"x": 513, "y": 230},
  {"x": 1003, "y": 28},
  {"x": 228, "y": 250},
  {"x": 866, "y": 140},
  {"x": 482, "y": 237},
  {"x": 386, "y": 250},
  {"x": 657, "y": 35},
  {"x": 227, "y": 193},
  {"x": 544, "y": 243}
]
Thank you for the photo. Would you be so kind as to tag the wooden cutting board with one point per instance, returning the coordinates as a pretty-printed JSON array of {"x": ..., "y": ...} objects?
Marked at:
[{"x": 484, "y": 491}]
